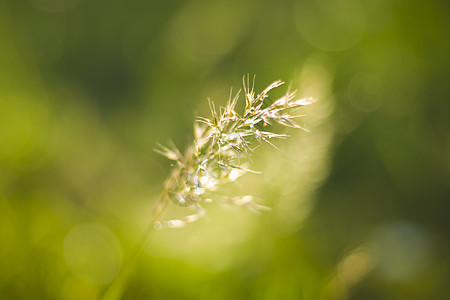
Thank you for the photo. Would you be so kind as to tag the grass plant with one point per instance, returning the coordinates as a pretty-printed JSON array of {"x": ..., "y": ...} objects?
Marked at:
[{"x": 220, "y": 153}]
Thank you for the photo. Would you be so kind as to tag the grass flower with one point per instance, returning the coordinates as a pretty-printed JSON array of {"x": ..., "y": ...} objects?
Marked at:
[{"x": 222, "y": 147}]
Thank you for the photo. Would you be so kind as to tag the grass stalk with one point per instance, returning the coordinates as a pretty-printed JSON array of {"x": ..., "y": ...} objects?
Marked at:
[
  {"x": 116, "y": 288},
  {"x": 222, "y": 143}
]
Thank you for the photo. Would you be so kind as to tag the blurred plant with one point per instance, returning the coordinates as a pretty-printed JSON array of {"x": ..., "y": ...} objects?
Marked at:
[
  {"x": 221, "y": 144},
  {"x": 219, "y": 153}
]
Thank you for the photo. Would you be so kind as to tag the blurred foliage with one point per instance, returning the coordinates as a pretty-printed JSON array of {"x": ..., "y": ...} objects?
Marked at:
[{"x": 360, "y": 204}]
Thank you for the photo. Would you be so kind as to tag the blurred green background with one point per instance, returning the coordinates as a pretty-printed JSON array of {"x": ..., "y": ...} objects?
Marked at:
[{"x": 360, "y": 204}]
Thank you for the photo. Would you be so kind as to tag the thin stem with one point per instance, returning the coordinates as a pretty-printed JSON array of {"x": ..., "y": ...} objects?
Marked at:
[{"x": 115, "y": 289}]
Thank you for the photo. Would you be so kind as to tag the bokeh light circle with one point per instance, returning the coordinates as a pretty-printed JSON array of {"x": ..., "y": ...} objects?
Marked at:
[
  {"x": 332, "y": 25},
  {"x": 93, "y": 252}
]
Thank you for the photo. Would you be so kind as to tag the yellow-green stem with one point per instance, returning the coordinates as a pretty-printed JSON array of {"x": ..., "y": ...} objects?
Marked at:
[{"x": 116, "y": 288}]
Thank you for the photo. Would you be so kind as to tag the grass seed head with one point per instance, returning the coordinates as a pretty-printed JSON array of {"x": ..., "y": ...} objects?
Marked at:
[{"x": 221, "y": 148}]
